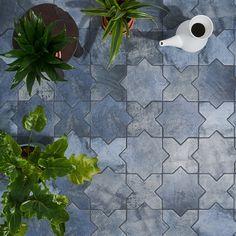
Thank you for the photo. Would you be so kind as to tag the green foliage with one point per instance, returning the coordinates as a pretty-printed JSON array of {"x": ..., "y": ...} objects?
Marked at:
[
  {"x": 27, "y": 194},
  {"x": 35, "y": 57},
  {"x": 35, "y": 120},
  {"x": 119, "y": 13}
]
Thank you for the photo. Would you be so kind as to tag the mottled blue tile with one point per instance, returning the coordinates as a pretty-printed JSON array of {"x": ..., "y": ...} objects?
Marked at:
[
  {"x": 73, "y": 8},
  {"x": 180, "y": 155},
  {"x": 107, "y": 226},
  {"x": 39, "y": 228},
  {"x": 222, "y": 13},
  {"x": 217, "y": 48},
  {"x": 142, "y": 45},
  {"x": 180, "y": 119},
  {"x": 144, "y": 191},
  {"x": 144, "y": 221},
  {"x": 108, "y": 192},
  {"x": 78, "y": 84},
  {"x": 144, "y": 119},
  {"x": 216, "y": 221},
  {"x": 108, "y": 119},
  {"x": 26, "y": 106},
  {"x": 216, "y": 83},
  {"x": 177, "y": 57},
  {"x": 79, "y": 222},
  {"x": 144, "y": 83},
  {"x": 216, "y": 191},
  {"x": 180, "y": 83},
  {"x": 6, "y": 44},
  {"x": 7, "y": 111},
  {"x": 216, "y": 119},
  {"x": 180, "y": 225},
  {"x": 109, "y": 154},
  {"x": 179, "y": 11},
  {"x": 180, "y": 191},
  {"x": 107, "y": 82},
  {"x": 72, "y": 118},
  {"x": 216, "y": 155},
  {"x": 6, "y": 78},
  {"x": 10, "y": 11},
  {"x": 144, "y": 155}
]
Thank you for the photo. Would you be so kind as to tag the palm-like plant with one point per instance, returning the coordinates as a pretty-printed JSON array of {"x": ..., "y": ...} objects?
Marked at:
[
  {"x": 35, "y": 55},
  {"x": 118, "y": 14}
]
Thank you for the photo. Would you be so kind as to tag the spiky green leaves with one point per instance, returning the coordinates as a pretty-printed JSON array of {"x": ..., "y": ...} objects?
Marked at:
[
  {"x": 119, "y": 15},
  {"x": 35, "y": 58},
  {"x": 35, "y": 120}
]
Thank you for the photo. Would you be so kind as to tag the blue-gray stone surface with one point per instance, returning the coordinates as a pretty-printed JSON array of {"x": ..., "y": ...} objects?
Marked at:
[{"x": 161, "y": 121}]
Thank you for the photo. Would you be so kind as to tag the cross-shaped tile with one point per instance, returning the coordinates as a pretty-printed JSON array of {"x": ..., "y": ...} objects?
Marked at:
[
  {"x": 217, "y": 48},
  {"x": 143, "y": 191},
  {"x": 180, "y": 155},
  {"x": 108, "y": 225},
  {"x": 180, "y": 225},
  {"x": 144, "y": 83},
  {"x": 108, "y": 154},
  {"x": 216, "y": 119},
  {"x": 216, "y": 155},
  {"x": 180, "y": 83},
  {"x": 144, "y": 119},
  {"x": 144, "y": 155},
  {"x": 216, "y": 191}
]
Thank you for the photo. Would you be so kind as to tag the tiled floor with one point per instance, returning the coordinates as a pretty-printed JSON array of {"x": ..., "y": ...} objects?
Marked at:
[{"x": 162, "y": 122}]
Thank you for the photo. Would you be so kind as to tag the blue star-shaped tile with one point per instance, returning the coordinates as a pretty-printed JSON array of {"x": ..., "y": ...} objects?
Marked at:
[{"x": 108, "y": 119}]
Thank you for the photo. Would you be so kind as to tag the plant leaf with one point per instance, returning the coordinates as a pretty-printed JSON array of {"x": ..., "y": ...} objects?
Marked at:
[
  {"x": 85, "y": 168},
  {"x": 35, "y": 120},
  {"x": 58, "y": 229},
  {"x": 30, "y": 79}
]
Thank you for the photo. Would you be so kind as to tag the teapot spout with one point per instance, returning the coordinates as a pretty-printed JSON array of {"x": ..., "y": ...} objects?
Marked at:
[{"x": 174, "y": 41}]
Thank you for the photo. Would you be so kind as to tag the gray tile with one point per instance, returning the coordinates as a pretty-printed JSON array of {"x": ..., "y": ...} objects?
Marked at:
[
  {"x": 180, "y": 119},
  {"x": 7, "y": 111},
  {"x": 79, "y": 222},
  {"x": 108, "y": 192},
  {"x": 143, "y": 45},
  {"x": 144, "y": 83},
  {"x": 144, "y": 221},
  {"x": 216, "y": 191},
  {"x": 107, "y": 82},
  {"x": 222, "y": 13},
  {"x": 78, "y": 84},
  {"x": 143, "y": 191},
  {"x": 144, "y": 119},
  {"x": 216, "y": 155},
  {"x": 108, "y": 154},
  {"x": 26, "y": 4},
  {"x": 217, "y": 48},
  {"x": 180, "y": 155},
  {"x": 232, "y": 192},
  {"x": 179, "y": 11},
  {"x": 108, "y": 119},
  {"x": 180, "y": 191},
  {"x": 107, "y": 226},
  {"x": 72, "y": 118},
  {"x": 180, "y": 83},
  {"x": 216, "y": 119},
  {"x": 144, "y": 155},
  {"x": 180, "y": 226},
  {"x": 5, "y": 84},
  {"x": 10, "y": 11},
  {"x": 216, "y": 83},
  {"x": 216, "y": 221}
]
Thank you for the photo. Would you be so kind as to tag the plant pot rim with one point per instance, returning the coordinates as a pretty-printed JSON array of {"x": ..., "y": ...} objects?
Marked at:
[{"x": 51, "y": 12}]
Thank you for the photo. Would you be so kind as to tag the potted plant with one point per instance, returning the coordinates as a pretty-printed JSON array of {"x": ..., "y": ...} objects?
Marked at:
[
  {"x": 29, "y": 169},
  {"x": 45, "y": 38},
  {"x": 118, "y": 18}
]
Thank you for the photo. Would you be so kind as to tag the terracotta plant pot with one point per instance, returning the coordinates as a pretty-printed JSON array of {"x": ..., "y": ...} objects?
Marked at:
[
  {"x": 105, "y": 22},
  {"x": 51, "y": 13}
]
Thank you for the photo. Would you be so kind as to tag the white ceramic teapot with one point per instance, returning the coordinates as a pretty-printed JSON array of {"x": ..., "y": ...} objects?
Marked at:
[{"x": 191, "y": 35}]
